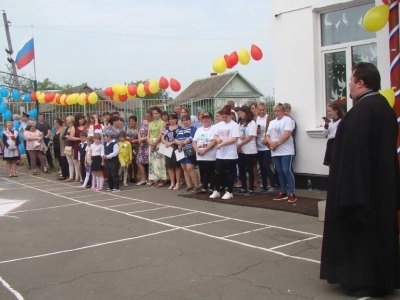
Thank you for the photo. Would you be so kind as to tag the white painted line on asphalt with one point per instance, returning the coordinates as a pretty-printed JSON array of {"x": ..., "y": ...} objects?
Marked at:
[
  {"x": 118, "y": 205},
  {"x": 9, "y": 216},
  {"x": 193, "y": 231},
  {"x": 240, "y": 233},
  {"x": 76, "y": 191},
  {"x": 63, "y": 188},
  {"x": 170, "y": 217},
  {"x": 139, "y": 211},
  {"x": 59, "y": 206},
  {"x": 11, "y": 290},
  {"x": 200, "y": 224},
  {"x": 88, "y": 247},
  {"x": 295, "y": 242}
]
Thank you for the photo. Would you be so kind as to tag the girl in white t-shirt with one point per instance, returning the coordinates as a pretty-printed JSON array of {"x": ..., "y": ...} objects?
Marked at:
[
  {"x": 206, "y": 152},
  {"x": 226, "y": 135},
  {"x": 279, "y": 137},
  {"x": 97, "y": 164},
  {"x": 247, "y": 149}
]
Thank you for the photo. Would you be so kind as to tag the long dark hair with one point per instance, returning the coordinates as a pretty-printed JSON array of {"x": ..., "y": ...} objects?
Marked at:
[
  {"x": 248, "y": 115},
  {"x": 336, "y": 107}
]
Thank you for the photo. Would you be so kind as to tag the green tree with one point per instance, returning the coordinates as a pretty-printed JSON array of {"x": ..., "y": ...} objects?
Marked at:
[
  {"x": 7, "y": 79},
  {"x": 46, "y": 84}
]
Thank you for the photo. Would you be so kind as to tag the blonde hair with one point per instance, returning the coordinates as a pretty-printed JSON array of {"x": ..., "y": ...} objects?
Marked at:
[
  {"x": 278, "y": 105},
  {"x": 287, "y": 106},
  {"x": 70, "y": 120}
]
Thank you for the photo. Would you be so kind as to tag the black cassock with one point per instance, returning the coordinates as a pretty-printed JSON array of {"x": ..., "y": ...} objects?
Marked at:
[{"x": 361, "y": 240}]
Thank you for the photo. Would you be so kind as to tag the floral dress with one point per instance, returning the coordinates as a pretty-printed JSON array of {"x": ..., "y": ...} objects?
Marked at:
[
  {"x": 142, "y": 156},
  {"x": 157, "y": 168}
]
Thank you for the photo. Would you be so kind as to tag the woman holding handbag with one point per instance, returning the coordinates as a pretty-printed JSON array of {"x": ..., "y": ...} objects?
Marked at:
[
  {"x": 184, "y": 140},
  {"x": 33, "y": 139},
  {"x": 11, "y": 152}
]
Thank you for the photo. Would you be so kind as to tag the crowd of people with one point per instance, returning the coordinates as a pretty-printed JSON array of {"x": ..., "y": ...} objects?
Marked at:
[{"x": 164, "y": 149}]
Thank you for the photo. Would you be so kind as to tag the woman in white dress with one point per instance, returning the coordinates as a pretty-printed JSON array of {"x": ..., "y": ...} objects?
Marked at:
[{"x": 11, "y": 152}]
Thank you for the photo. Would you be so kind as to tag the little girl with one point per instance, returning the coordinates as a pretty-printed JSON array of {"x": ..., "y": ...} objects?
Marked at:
[
  {"x": 87, "y": 160},
  {"x": 97, "y": 164},
  {"x": 124, "y": 155}
]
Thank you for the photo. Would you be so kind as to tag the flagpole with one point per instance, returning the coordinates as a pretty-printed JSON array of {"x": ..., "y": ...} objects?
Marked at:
[{"x": 35, "y": 85}]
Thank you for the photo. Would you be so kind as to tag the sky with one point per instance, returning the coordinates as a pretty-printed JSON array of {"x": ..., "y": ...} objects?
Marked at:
[{"x": 106, "y": 42}]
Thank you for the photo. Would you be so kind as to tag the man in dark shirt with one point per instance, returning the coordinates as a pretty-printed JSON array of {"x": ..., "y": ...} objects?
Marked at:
[{"x": 45, "y": 128}]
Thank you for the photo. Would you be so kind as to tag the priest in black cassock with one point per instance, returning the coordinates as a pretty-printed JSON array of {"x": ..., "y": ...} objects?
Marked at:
[{"x": 360, "y": 249}]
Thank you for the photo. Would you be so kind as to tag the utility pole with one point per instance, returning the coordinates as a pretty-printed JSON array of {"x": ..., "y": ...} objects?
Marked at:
[{"x": 10, "y": 50}]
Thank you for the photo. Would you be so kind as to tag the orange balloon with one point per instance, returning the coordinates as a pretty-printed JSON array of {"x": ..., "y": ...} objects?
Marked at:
[{"x": 146, "y": 88}]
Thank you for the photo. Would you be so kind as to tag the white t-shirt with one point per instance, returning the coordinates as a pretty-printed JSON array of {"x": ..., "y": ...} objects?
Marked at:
[
  {"x": 203, "y": 137},
  {"x": 262, "y": 122},
  {"x": 97, "y": 149},
  {"x": 225, "y": 131},
  {"x": 276, "y": 130},
  {"x": 245, "y": 131}
]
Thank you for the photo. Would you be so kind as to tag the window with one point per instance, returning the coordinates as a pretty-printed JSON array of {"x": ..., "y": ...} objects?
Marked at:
[{"x": 344, "y": 42}]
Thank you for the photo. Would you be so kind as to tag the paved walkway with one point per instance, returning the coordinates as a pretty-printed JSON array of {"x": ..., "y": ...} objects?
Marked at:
[{"x": 145, "y": 243}]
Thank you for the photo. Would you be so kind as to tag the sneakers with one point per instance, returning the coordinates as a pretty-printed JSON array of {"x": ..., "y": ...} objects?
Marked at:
[
  {"x": 125, "y": 184},
  {"x": 248, "y": 194},
  {"x": 227, "y": 196},
  {"x": 108, "y": 190},
  {"x": 215, "y": 195},
  {"x": 263, "y": 191},
  {"x": 116, "y": 190},
  {"x": 280, "y": 197},
  {"x": 292, "y": 198}
]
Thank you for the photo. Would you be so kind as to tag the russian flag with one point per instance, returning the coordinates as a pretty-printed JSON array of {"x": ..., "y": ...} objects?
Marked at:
[{"x": 26, "y": 53}]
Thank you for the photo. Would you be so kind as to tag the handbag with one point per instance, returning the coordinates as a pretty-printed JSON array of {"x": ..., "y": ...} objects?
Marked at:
[
  {"x": 189, "y": 153},
  {"x": 68, "y": 150},
  {"x": 36, "y": 144}
]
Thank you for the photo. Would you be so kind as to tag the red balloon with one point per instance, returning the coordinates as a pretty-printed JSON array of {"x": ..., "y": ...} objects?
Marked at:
[
  {"x": 132, "y": 90},
  {"x": 164, "y": 84},
  {"x": 108, "y": 92},
  {"x": 49, "y": 97},
  {"x": 33, "y": 97},
  {"x": 123, "y": 98},
  {"x": 229, "y": 64},
  {"x": 87, "y": 99},
  {"x": 146, "y": 88},
  {"x": 58, "y": 98},
  {"x": 175, "y": 85},
  {"x": 234, "y": 58},
  {"x": 256, "y": 52},
  {"x": 387, "y": 2}
]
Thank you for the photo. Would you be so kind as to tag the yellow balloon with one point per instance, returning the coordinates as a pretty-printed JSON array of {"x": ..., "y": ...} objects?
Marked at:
[
  {"x": 140, "y": 90},
  {"x": 62, "y": 99},
  {"x": 41, "y": 98},
  {"x": 72, "y": 99},
  {"x": 154, "y": 86},
  {"x": 122, "y": 89},
  {"x": 219, "y": 65},
  {"x": 93, "y": 98},
  {"x": 82, "y": 99},
  {"x": 244, "y": 56},
  {"x": 115, "y": 88},
  {"x": 116, "y": 99},
  {"x": 131, "y": 97},
  {"x": 376, "y": 18},
  {"x": 389, "y": 95},
  {"x": 38, "y": 94}
]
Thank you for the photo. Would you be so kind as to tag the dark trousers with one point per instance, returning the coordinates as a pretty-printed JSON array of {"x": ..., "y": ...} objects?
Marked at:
[
  {"x": 246, "y": 164},
  {"x": 83, "y": 172},
  {"x": 28, "y": 157},
  {"x": 63, "y": 162},
  {"x": 264, "y": 159},
  {"x": 49, "y": 158},
  {"x": 207, "y": 171},
  {"x": 223, "y": 173},
  {"x": 112, "y": 169}
]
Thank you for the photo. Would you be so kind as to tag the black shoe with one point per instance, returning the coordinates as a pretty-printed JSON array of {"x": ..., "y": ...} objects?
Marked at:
[
  {"x": 366, "y": 292},
  {"x": 241, "y": 192},
  {"x": 61, "y": 178},
  {"x": 249, "y": 194}
]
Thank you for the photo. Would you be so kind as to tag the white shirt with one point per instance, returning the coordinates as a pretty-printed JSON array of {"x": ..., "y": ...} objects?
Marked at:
[
  {"x": 203, "y": 138},
  {"x": 97, "y": 149},
  {"x": 245, "y": 131},
  {"x": 262, "y": 122},
  {"x": 276, "y": 130},
  {"x": 330, "y": 133},
  {"x": 226, "y": 131}
]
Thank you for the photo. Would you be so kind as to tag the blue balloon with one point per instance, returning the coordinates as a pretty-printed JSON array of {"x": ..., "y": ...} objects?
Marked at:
[
  {"x": 3, "y": 92},
  {"x": 16, "y": 95},
  {"x": 32, "y": 114},
  {"x": 21, "y": 138},
  {"x": 27, "y": 97},
  {"x": 21, "y": 149},
  {"x": 3, "y": 108},
  {"x": 16, "y": 125},
  {"x": 7, "y": 116}
]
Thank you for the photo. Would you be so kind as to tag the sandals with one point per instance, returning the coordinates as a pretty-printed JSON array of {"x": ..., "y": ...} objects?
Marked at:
[
  {"x": 161, "y": 184},
  {"x": 177, "y": 187},
  {"x": 150, "y": 183},
  {"x": 171, "y": 187}
]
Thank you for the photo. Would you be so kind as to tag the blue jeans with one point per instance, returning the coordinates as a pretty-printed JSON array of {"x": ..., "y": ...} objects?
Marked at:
[
  {"x": 283, "y": 165},
  {"x": 264, "y": 159}
]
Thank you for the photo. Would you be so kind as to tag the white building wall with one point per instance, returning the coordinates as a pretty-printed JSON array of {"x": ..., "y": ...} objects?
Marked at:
[{"x": 298, "y": 77}]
